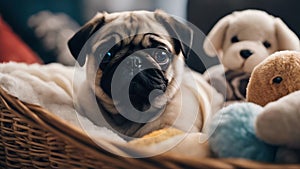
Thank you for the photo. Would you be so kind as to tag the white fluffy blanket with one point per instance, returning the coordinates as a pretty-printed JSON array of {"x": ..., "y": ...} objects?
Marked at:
[{"x": 49, "y": 86}]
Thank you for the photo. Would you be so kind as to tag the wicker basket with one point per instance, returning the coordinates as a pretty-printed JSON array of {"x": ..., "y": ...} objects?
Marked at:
[{"x": 32, "y": 137}]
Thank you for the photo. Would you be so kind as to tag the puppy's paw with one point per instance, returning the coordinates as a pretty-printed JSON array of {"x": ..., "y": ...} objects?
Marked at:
[
  {"x": 171, "y": 140},
  {"x": 156, "y": 137}
]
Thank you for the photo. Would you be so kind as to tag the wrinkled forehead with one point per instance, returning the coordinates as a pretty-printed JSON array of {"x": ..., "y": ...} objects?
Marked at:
[
  {"x": 129, "y": 24},
  {"x": 131, "y": 28}
]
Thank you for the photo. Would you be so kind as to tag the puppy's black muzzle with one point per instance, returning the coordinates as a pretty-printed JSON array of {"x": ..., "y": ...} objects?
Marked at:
[
  {"x": 145, "y": 82},
  {"x": 142, "y": 76}
]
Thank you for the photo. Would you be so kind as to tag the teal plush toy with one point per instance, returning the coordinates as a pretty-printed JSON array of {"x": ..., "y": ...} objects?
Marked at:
[{"x": 234, "y": 135}]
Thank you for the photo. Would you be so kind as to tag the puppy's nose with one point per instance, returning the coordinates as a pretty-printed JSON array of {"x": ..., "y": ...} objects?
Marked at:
[
  {"x": 134, "y": 63},
  {"x": 246, "y": 53}
]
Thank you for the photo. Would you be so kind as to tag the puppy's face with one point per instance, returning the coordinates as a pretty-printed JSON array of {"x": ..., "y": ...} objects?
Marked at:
[
  {"x": 134, "y": 58},
  {"x": 139, "y": 63}
]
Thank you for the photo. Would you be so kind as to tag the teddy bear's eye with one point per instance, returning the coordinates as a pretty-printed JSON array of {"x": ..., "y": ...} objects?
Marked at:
[
  {"x": 234, "y": 39},
  {"x": 277, "y": 79},
  {"x": 267, "y": 44}
]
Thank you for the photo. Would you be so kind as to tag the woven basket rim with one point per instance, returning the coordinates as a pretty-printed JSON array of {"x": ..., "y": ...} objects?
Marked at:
[{"x": 40, "y": 117}]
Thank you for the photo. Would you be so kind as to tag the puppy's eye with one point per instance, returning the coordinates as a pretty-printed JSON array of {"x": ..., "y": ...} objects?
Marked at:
[
  {"x": 277, "y": 80},
  {"x": 105, "y": 60},
  {"x": 108, "y": 54},
  {"x": 161, "y": 57},
  {"x": 267, "y": 44},
  {"x": 234, "y": 39}
]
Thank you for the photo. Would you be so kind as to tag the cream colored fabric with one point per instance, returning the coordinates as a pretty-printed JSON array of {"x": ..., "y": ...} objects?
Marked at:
[{"x": 49, "y": 86}]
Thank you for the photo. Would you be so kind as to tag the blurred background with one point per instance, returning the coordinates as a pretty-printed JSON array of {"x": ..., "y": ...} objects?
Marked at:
[{"x": 44, "y": 26}]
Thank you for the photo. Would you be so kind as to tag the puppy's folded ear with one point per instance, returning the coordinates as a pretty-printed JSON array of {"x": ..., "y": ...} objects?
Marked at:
[
  {"x": 78, "y": 40},
  {"x": 179, "y": 32}
]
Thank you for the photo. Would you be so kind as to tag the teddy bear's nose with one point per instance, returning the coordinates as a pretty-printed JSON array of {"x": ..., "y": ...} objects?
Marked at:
[{"x": 246, "y": 53}]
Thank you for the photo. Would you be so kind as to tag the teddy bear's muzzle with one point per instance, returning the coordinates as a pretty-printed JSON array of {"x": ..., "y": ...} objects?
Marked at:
[{"x": 244, "y": 55}]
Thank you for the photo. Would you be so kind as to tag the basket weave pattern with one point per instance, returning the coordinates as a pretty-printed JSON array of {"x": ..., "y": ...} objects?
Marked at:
[
  {"x": 31, "y": 137},
  {"x": 24, "y": 144}
]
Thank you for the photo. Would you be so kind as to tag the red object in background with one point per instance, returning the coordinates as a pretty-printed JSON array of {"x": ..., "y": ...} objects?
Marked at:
[{"x": 12, "y": 48}]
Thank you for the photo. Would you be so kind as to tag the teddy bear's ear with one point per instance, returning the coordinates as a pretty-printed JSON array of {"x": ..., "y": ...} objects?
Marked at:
[
  {"x": 286, "y": 38},
  {"x": 214, "y": 41}
]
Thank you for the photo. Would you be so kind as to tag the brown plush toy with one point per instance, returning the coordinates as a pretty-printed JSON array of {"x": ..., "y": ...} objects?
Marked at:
[
  {"x": 274, "y": 78},
  {"x": 275, "y": 84}
]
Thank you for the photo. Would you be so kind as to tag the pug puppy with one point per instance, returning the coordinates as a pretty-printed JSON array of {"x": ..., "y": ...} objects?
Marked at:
[{"x": 135, "y": 71}]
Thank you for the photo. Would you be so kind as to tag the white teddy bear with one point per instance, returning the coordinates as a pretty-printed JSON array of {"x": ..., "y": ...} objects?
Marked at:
[{"x": 242, "y": 40}]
